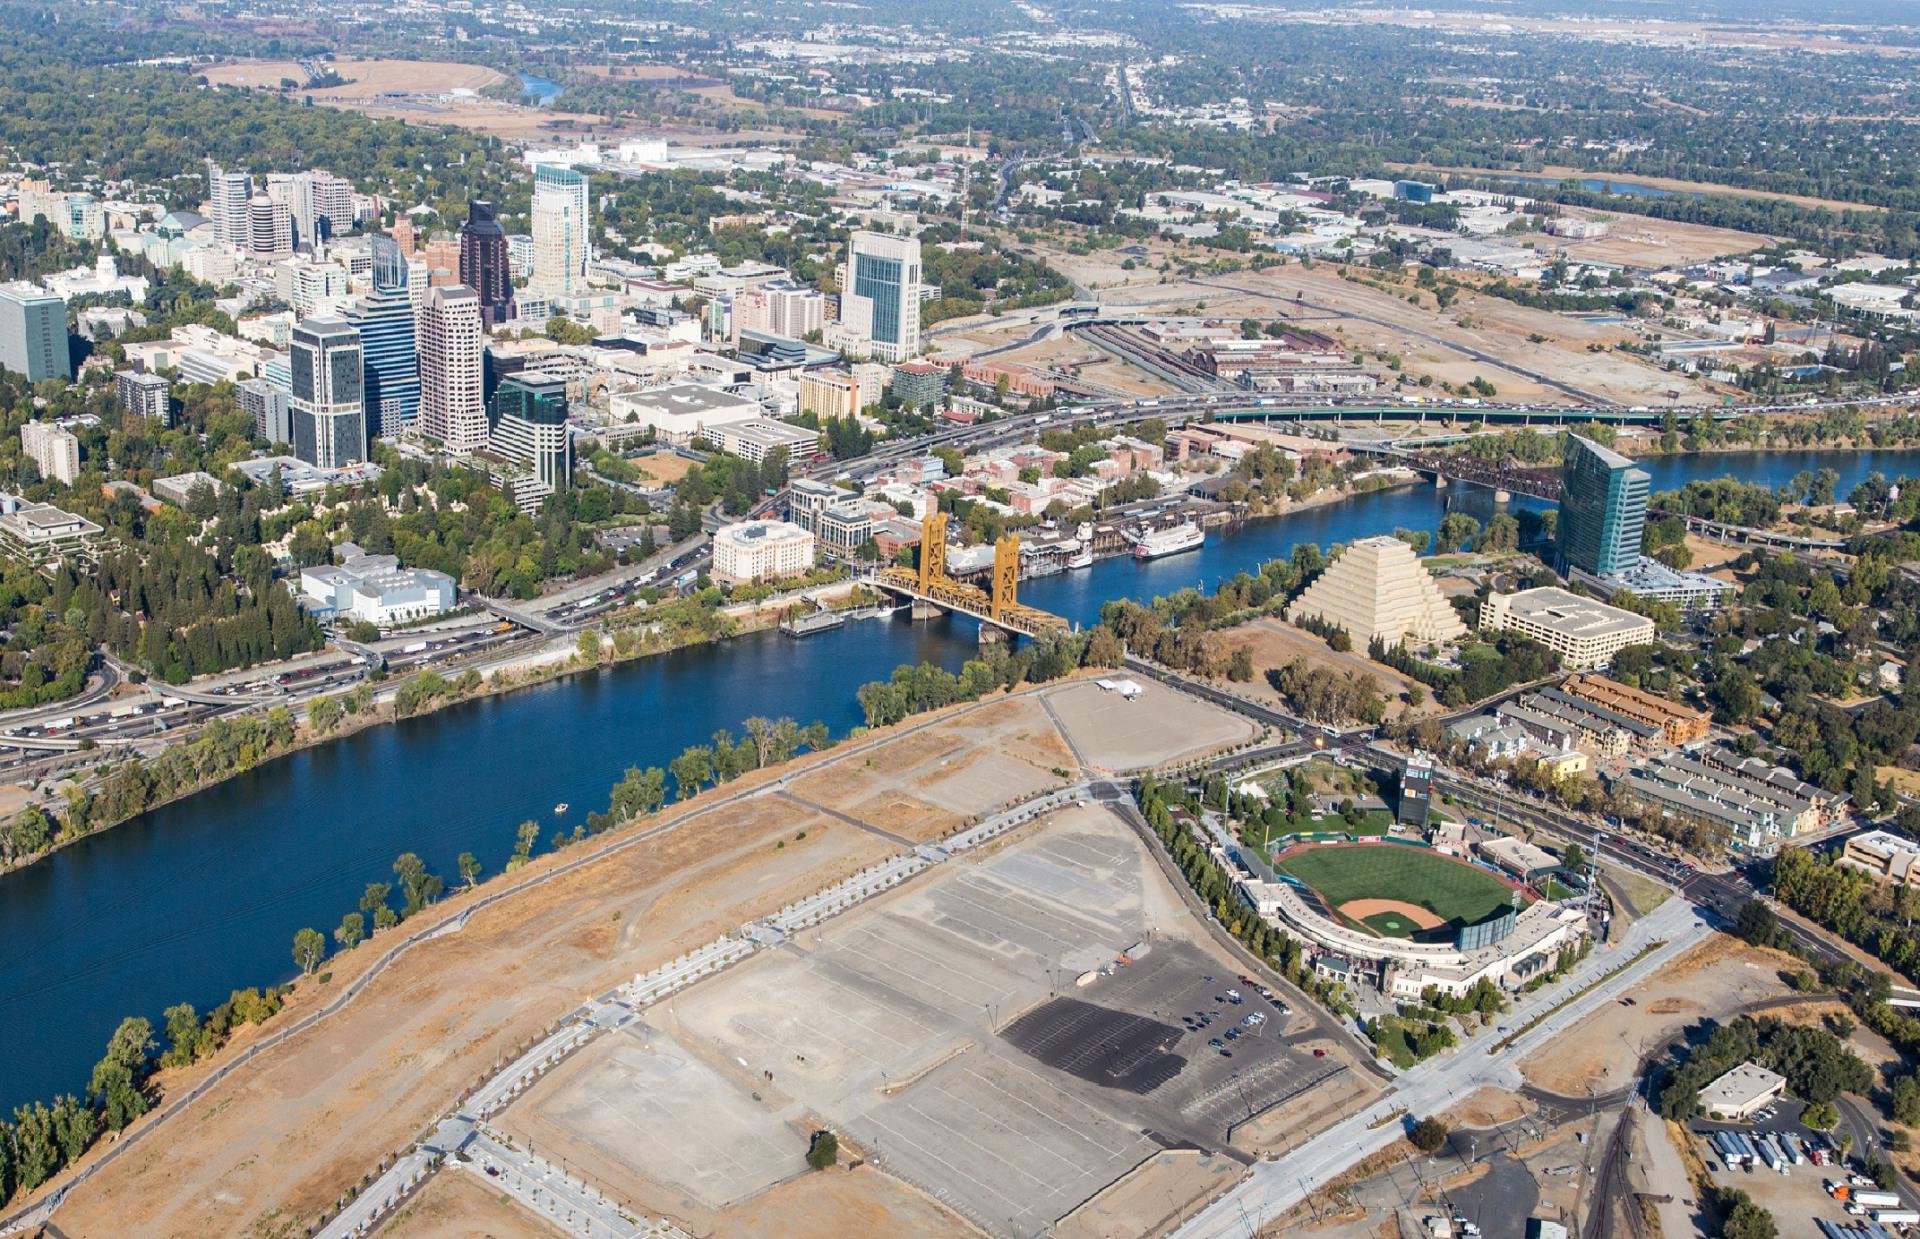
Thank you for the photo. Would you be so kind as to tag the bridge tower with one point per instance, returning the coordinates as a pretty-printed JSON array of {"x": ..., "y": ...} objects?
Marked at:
[
  {"x": 1006, "y": 575},
  {"x": 933, "y": 552}
]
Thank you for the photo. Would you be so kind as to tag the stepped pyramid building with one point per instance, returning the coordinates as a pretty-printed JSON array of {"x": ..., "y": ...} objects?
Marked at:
[{"x": 1377, "y": 588}]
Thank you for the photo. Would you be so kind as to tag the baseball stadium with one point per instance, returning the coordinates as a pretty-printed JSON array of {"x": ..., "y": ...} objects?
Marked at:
[
  {"x": 1399, "y": 891},
  {"x": 1411, "y": 917}
]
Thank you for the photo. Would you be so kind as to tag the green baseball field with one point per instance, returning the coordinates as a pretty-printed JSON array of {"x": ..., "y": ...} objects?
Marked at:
[{"x": 1397, "y": 892}]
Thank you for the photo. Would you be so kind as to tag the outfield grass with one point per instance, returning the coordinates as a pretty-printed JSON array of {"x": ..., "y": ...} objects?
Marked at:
[
  {"x": 1456, "y": 892},
  {"x": 1376, "y": 822}
]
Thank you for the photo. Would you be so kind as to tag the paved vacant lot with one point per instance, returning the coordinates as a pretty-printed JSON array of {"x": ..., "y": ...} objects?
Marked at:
[
  {"x": 1111, "y": 733},
  {"x": 941, "y": 1031}
]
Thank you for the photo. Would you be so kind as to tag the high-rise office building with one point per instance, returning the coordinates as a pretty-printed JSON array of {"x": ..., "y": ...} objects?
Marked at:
[
  {"x": 559, "y": 231},
  {"x": 484, "y": 263},
  {"x": 269, "y": 228},
  {"x": 227, "y": 196},
  {"x": 385, "y": 319},
  {"x": 880, "y": 297},
  {"x": 452, "y": 357},
  {"x": 322, "y": 207},
  {"x": 328, "y": 403},
  {"x": 1603, "y": 509},
  {"x": 33, "y": 333},
  {"x": 528, "y": 425},
  {"x": 267, "y": 405}
]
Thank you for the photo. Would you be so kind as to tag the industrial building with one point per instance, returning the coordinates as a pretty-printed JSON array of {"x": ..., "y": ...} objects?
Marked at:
[{"x": 1742, "y": 1093}]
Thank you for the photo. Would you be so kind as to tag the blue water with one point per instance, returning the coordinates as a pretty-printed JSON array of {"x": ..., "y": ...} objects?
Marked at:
[
  {"x": 200, "y": 897},
  {"x": 544, "y": 90},
  {"x": 1599, "y": 185}
]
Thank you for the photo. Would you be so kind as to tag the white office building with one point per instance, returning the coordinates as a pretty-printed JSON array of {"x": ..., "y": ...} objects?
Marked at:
[
  {"x": 879, "y": 298},
  {"x": 681, "y": 412},
  {"x": 560, "y": 224},
  {"x": 227, "y": 196},
  {"x": 376, "y": 589},
  {"x": 1585, "y": 633},
  {"x": 761, "y": 551}
]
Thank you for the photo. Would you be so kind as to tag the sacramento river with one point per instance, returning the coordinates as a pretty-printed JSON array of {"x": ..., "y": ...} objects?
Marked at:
[{"x": 203, "y": 896}]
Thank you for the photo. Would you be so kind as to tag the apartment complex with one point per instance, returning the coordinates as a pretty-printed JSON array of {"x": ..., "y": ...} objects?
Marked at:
[
  {"x": 1679, "y": 725},
  {"x": 52, "y": 449},
  {"x": 267, "y": 405},
  {"x": 1583, "y": 632},
  {"x": 144, "y": 395},
  {"x": 1757, "y": 806},
  {"x": 1377, "y": 591},
  {"x": 761, "y": 551}
]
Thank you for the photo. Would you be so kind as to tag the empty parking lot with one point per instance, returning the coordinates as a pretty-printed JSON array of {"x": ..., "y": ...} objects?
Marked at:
[{"x": 941, "y": 1031}]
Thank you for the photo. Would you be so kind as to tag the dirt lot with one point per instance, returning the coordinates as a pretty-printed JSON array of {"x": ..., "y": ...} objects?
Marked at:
[
  {"x": 1489, "y": 1107},
  {"x": 1108, "y": 732},
  {"x": 282, "y": 1136},
  {"x": 460, "y": 1205},
  {"x": 1275, "y": 643},
  {"x": 1430, "y": 341},
  {"x": 1650, "y": 244},
  {"x": 1714, "y": 979},
  {"x": 365, "y": 79},
  {"x": 940, "y": 1031},
  {"x": 425, "y": 84},
  {"x": 665, "y": 468}
]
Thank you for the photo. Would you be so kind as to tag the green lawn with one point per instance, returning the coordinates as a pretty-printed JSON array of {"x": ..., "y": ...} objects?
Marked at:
[
  {"x": 1456, "y": 892},
  {"x": 1375, "y": 822},
  {"x": 1389, "y": 925}
]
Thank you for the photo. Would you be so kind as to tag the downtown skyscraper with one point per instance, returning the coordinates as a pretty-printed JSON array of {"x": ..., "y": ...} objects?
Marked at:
[
  {"x": 385, "y": 319},
  {"x": 452, "y": 369},
  {"x": 328, "y": 404},
  {"x": 485, "y": 265},
  {"x": 560, "y": 220}
]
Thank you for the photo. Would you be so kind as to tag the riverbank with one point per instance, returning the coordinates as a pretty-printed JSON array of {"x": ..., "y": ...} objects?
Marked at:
[
  {"x": 555, "y": 660},
  {"x": 410, "y": 1024},
  {"x": 206, "y": 892}
]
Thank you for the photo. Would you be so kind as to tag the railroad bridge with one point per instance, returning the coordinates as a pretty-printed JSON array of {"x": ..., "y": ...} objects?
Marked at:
[{"x": 997, "y": 605}]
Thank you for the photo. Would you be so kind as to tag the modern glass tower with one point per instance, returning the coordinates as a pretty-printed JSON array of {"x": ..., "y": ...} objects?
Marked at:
[
  {"x": 1603, "y": 509},
  {"x": 328, "y": 401},
  {"x": 529, "y": 426},
  {"x": 384, "y": 318},
  {"x": 485, "y": 265},
  {"x": 560, "y": 223},
  {"x": 880, "y": 297}
]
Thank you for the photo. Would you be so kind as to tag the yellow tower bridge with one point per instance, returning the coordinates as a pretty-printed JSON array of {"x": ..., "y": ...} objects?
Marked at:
[{"x": 998, "y": 605}]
